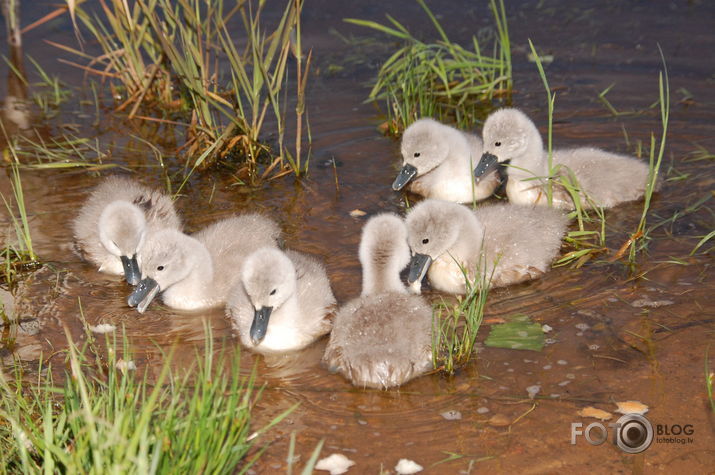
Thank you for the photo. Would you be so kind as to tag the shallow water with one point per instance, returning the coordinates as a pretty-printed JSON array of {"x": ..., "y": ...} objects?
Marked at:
[{"x": 595, "y": 356}]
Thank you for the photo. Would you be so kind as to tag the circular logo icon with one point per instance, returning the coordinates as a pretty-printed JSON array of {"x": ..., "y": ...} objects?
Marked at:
[{"x": 634, "y": 433}]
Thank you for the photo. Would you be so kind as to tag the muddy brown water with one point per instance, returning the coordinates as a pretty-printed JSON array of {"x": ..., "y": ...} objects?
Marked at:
[{"x": 595, "y": 355}]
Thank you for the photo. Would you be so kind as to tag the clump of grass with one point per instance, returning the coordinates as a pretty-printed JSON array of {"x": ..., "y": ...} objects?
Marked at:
[
  {"x": 109, "y": 418},
  {"x": 442, "y": 79},
  {"x": 164, "y": 56},
  {"x": 455, "y": 324}
]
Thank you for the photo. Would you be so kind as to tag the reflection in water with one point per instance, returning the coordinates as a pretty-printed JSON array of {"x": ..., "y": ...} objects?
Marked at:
[{"x": 15, "y": 110}]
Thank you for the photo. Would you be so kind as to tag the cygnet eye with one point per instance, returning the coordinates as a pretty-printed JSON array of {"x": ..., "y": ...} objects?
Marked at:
[
  {"x": 497, "y": 144},
  {"x": 160, "y": 268},
  {"x": 425, "y": 241},
  {"x": 273, "y": 292},
  {"x": 417, "y": 154}
]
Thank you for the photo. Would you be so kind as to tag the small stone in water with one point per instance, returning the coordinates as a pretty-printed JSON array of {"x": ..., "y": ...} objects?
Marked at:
[
  {"x": 407, "y": 467},
  {"x": 593, "y": 347},
  {"x": 564, "y": 383},
  {"x": 647, "y": 302},
  {"x": 582, "y": 326},
  {"x": 548, "y": 366},
  {"x": 482, "y": 410},
  {"x": 336, "y": 464},
  {"x": 562, "y": 362},
  {"x": 357, "y": 213},
  {"x": 452, "y": 415},
  {"x": 546, "y": 328}
]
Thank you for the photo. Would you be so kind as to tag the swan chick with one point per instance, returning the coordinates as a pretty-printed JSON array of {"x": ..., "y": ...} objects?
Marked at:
[
  {"x": 438, "y": 161},
  {"x": 282, "y": 301},
  {"x": 382, "y": 339},
  {"x": 114, "y": 220},
  {"x": 605, "y": 179},
  {"x": 505, "y": 243},
  {"x": 196, "y": 272}
]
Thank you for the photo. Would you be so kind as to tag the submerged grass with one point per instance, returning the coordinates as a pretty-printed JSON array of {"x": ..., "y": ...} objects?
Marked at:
[
  {"x": 108, "y": 417},
  {"x": 442, "y": 79},
  {"x": 455, "y": 325}
]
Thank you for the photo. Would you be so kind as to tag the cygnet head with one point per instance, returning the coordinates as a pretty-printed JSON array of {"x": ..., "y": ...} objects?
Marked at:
[
  {"x": 508, "y": 134},
  {"x": 423, "y": 148},
  {"x": 269, "y": 279},
  {"x": 122, "y": 227},
  {"x": 383, "y": 254},
  {"x": 165, "y": 258},
  {"x": 433, "y": 227}
]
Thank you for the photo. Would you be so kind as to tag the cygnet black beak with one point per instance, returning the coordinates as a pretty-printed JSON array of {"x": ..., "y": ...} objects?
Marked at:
[
  {"x": 407, "y": 173},
  {"x": 487, "y": 163},
  {"x": 419, "y": 265},
  {"x": 143, "y": 294},
  {"x": 131, "y": 269},
  {"x": 259, "y": 327}
]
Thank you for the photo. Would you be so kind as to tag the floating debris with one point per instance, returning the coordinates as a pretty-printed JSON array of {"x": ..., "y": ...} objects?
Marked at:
[
  {"x": 451, "y": 415},
  {"x": 499, "y": 420},
  {"x": 519, "y": 333},
  {"x": 647, "y": 302},
  {"x": 565, "y": 383},
  {"x": 357, "y": 213},
  {"x": 103, "y": 328},
  {"x": 593, "y": 347},
  {"x": 407, "y": 467},
  {"x": 533, "y": 390},
  {"x": 335, "y": 464},
  {"x": 546, "y": 328},
  {"x": 595, "y": 413},
  {"x": 582, "y": 326},
  {"x": 631, "y": 407}
]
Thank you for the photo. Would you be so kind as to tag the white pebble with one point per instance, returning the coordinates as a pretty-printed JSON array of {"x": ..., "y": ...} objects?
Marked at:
[
  {"x": 407, "y": 467},
  {"x": 582, "y": 326},
  {"x": 336, "y": 464},
  {"x": 533, "y": 390},
  {"x": 548, "y": 366},
  {"x": 562, "y": 362},
  {"x": 482, "y": 410},
  {"x": 451, "y": 415},
  {"x": 546, "y": 328}
]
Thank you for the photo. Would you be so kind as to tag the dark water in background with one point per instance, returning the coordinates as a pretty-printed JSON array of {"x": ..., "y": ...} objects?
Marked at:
[{"x": 594, "y": 44}]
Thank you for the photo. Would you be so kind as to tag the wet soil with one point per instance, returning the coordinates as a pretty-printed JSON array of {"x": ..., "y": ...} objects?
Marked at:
[{"x": 617, "y": 335}]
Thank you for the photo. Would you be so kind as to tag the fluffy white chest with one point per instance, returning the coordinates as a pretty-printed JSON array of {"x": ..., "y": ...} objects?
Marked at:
[
  {"x": 284, "y": 338},
  {"x": 445, "y": 275}
]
